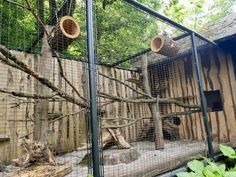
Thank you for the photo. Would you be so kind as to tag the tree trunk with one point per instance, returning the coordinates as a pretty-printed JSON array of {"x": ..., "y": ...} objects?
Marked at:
[
  {"x": 40, "y": 9},
  {"x": 154, "y": 107},
  {"x": 53, "y": 8},
  {"x": 41, "y": 107}
]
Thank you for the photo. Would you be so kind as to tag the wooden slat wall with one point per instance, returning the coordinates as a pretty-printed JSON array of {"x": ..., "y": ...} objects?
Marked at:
[
  {"x": 218, "y": 74},
  {"x": 69, "y": 133},
  {"x": 122, "y": 110}
]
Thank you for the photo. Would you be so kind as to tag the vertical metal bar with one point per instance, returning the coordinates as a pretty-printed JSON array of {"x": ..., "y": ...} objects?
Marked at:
[
  {"x": 92, "y": 90},
  {"x": 202, "y": 97}
]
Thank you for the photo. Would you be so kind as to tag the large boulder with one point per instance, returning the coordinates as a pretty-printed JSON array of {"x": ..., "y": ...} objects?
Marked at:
[{"x": 114, "y": 156}]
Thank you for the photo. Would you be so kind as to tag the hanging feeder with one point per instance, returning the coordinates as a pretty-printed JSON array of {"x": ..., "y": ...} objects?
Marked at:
[
  {"x": 64, "y": 33},
  {"x": 164, "y": 45}
]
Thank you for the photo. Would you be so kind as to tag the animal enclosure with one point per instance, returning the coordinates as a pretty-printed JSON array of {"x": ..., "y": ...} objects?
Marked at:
[{"x": 74, "y": 104}]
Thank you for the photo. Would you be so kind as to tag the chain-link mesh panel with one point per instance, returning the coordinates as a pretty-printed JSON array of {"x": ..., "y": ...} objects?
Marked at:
[
  {"x": 148, "y": 102},
  {"x": 44, "y": 93}
]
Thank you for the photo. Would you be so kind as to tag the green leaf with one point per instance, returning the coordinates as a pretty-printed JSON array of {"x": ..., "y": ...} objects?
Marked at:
[
  {"x": 213, "y": 167},
  {"x": 208, "y": 173},
  {"x": 222, "y": 167},
  {"x": 233, "y": 169},
  {"x": 196, "y": 166},
  {"x": 228, "y": 151},
  {"x": 186, "y": 174},
  {"x": 230, "y": 174},
  {"x": 182, "y": 174}
]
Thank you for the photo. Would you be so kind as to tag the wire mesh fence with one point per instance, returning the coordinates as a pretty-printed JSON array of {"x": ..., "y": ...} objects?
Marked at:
[{"x": 150, "y": 111}]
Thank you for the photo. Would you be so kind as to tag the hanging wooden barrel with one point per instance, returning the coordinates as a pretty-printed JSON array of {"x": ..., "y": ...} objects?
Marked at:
[
  {"x": 164, "y": 45},
  {"x": 64, "y": 33}
]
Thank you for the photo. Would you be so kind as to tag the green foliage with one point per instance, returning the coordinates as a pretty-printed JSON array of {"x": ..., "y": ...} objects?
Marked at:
[
  {"x": 16, "y": 25},
  {"x": 90, "y": 175},
  {"x": 121, "y": 30},
  {"x": 219, "y": 9},
  {"x": 211, "y": 169},
  {"x": 228, "y": 151},
  {"x": 196, "y": 166}
]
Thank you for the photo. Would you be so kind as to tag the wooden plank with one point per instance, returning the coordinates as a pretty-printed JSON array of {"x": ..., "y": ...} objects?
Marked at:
[
  {"x": 205, "y": 62},
  {"x": 221, "y": 123},
  {"x": 123, "y": 108},
  {"x": 228, "y": 103},
  {"x": 197, "y": 101},
  {"x": 209, "y": 65},
  {"x": 190, "y": 93},
  {"x": 232, "y": 78},
  {"x": 185, "y": 92},
  {"x": 179, "y": 93}
]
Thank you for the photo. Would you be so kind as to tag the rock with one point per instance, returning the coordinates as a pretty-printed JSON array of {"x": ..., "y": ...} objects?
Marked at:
[{"x": 114, "y": 157}]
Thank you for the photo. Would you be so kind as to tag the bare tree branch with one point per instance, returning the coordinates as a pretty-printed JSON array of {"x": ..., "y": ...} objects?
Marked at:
[
  {"x": 14, "y": 105},
  {"x": 127, "y": 100},
  {"x": 23, "y": 67},
  {"x": 67, "y": 115},
  {"x": 8, "y": 62},
  {"x": 175, "y": 114},
  {"x": 152, "y": 100},
  {"x": 133, "y": 121},
  {"x": 28, "y": 95},
  {"x": 123, "y": 125},
  {"x": 18, "y": 66},
  {"x": 119, "y": 81},
  {"x": 29, "y": 8},
  {"x": 65, "y": 78},
  {"x": 178, "y": 103}
]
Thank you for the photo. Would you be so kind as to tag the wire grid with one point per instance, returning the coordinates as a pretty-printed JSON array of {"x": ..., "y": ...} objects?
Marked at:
[
  {"x": 216, "y": 66},
  {"x": 68, "y": 126},
  {"x": 184, "y": 136},
  {"x": 170, "y": 78}
]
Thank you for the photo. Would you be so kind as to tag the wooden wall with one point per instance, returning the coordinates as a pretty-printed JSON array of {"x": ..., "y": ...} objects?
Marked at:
[
  {"x": 70, "y": 132},
  {"x": 177, "y": 79}
]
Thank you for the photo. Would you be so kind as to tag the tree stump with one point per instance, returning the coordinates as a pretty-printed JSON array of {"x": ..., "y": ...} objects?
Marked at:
[
  {"x": 37, "y": 160},
  {"x": 33, "y": 152}
]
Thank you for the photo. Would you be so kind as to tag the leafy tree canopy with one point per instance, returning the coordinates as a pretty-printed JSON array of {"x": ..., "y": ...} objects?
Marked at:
[{"x": 121, "y": 30}]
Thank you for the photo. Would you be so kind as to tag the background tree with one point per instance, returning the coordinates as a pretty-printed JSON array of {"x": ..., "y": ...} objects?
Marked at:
[{"x": 121, "y": 29}]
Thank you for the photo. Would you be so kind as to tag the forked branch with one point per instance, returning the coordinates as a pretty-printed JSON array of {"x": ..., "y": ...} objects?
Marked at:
[{"x": 9, "y": 58}]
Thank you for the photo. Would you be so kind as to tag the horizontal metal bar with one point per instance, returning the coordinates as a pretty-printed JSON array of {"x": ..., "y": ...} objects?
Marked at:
[
  {"x": 167, "y": 20},
  {"x": 130, "y": 57}
]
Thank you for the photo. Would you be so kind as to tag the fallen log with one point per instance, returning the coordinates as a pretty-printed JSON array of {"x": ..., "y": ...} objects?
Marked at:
[
  {"x": 110, "y": 137},
  {"x": 164, "y": 45},
  {"x": 44, "y": 171},
  {"x": 64, "y": 33}
]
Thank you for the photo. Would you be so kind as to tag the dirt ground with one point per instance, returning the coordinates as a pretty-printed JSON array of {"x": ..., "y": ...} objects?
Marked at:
[{"x": 149, "y": 163}]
